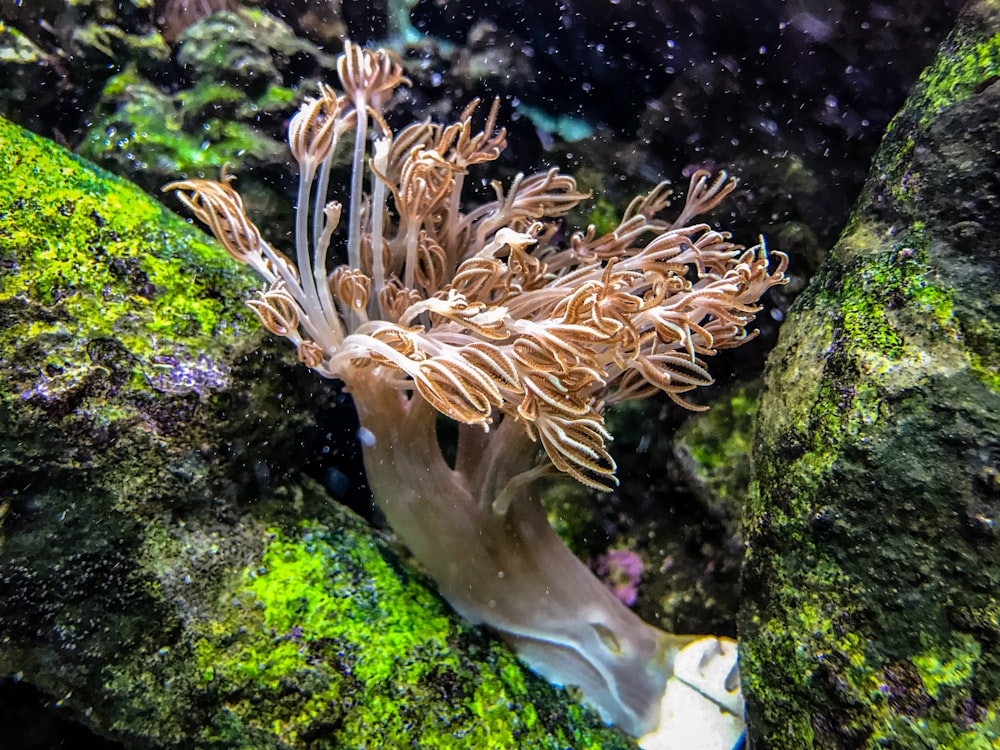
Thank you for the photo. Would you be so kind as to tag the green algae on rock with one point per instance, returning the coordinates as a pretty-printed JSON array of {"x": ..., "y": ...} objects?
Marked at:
[
  {"x": 138, "y": 130},
  {"x": 713, "y": 450},
  {"x": 243, "y": 73},
  {"x": 871, "y": 612},
  {"x": 166, "y": 573},
  {"x": 78, "y": 268},
  {"x": 330, "y": 609}
]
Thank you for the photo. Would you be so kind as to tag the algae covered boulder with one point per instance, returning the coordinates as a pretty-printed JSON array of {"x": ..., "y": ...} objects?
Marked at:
[
  {"x": 169, "y": 573},
  {"x": 871, "y": 610}
]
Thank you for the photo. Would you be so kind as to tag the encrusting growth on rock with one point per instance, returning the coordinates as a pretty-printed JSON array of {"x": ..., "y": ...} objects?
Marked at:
[{"x": 476, "y": 313}]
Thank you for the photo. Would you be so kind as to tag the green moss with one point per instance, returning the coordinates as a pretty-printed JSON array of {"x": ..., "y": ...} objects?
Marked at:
[
  {"x": 326, "y": 609},
  {"x": 903, "y": 280},
  {"x": 865, "y": 304},
  {"x": 604, "y": 216},
  {"x": 138, "y": 124},
  {"x": 276, "y": 97},
  {"x": 898, "y": 174},
  {"x": 967, "y": 61},
  {"x": 570, "y": 509},
  {"x": 953, "y": 668},
  {"x": 894, "y": 704},
  {"x": 246, "y": 49},
  {"x": 715, "y": 448},
  {"x": 984, "y": 353},
  {"x": 884, "y": 320},
  {"x": 206, "y": 96},
  {"x": 934, "y": 686},
  {"x": 92, "y": 250},
  {"x": 874, "y": 333},
  {"x": 16, "y": 48},
  {"x": 811, "y": 632},
  {"x": 882, "y": 301}
]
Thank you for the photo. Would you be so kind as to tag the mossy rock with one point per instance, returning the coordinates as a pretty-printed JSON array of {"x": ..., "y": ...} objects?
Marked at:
[
  {"x": 713, "y": 451},
  {"x": 871, "y": 611},
  {"x": 241, "y": 77},
  {"x": 167, "y": 573}
]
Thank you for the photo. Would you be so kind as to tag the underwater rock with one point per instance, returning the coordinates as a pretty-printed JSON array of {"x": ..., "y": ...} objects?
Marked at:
[
  {"x": 105, "y": 78},
  {"x": 871, "y": 610},
  {"x": 238, "y": 80},
  {"x": 712, "y": 449},
  {"x": 169, "y": 576},
  {"x": 248, "y": 50}
]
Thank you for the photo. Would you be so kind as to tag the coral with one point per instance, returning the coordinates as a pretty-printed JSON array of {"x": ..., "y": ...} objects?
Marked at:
[
  {"x": 140, "y": 588},
  {"x": 475, "y": 314}
]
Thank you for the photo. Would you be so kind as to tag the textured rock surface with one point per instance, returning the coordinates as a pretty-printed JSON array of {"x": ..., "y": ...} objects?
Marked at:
[
  {"x": 168, "y": 575},
  {"x": 871, "y": 614}
]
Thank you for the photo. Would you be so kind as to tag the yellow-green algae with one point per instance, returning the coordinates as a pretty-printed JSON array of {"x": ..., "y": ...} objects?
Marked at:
[
  {"x": 105, "y": 261},
  {"x": 385, "y": 662},
  {"x": 967, "y": 61},
  {"x": 176, "y": 135}
]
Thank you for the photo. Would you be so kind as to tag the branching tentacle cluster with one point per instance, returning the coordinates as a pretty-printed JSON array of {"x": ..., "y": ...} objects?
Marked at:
[{"x": 475, "y": 310}]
